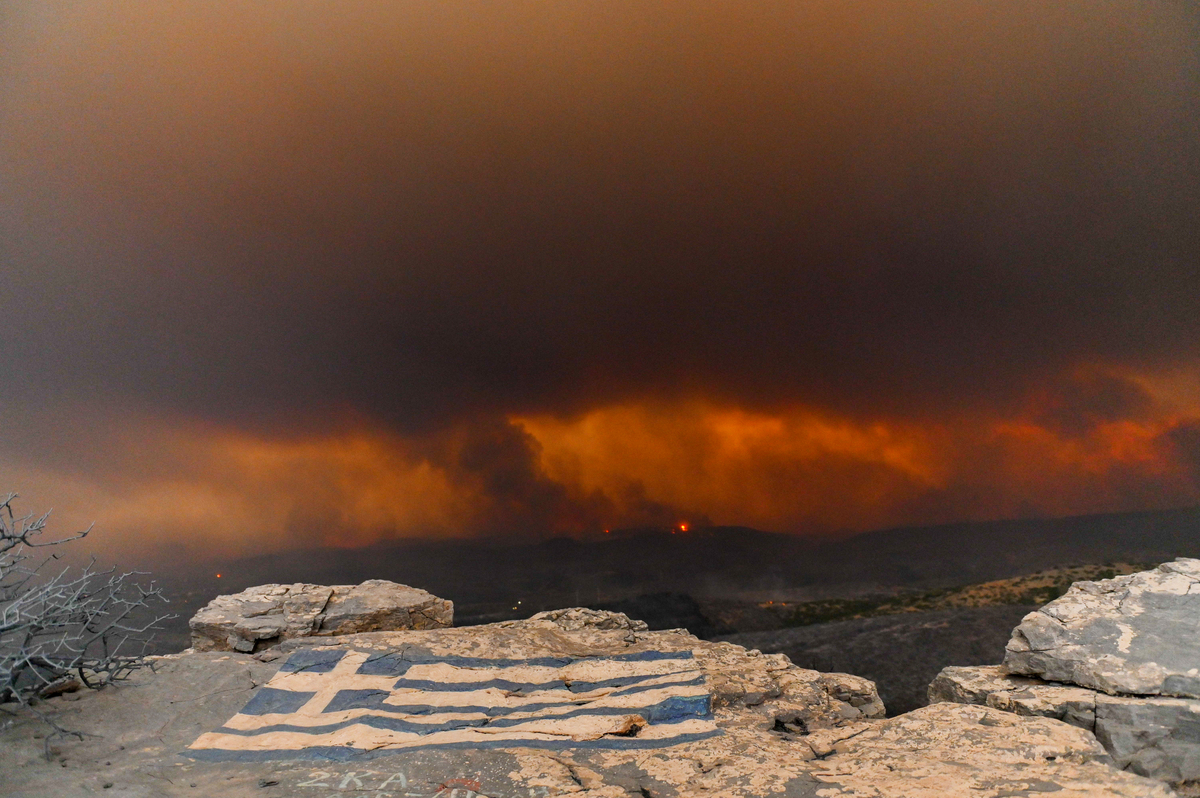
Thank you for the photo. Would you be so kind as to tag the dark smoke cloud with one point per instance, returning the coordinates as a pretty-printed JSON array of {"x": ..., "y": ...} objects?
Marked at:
[
  {"x": 423, "y": 210},
  {"x": 1186, "y": 439},
  {"x": 1090, "y": 400},
  {"x": 287, "y": 217}
]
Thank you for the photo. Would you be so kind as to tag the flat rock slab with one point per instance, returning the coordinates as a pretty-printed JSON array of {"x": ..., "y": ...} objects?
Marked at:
[
  {"x": 1132, "y": 635},
  {"x": 265, "y": 616},
  {"x": 771, "y": 730},
  {"x": 1153, "y": 736},
  {"x": 957, "y": 751},
  {"x": 989, "y": 685}
]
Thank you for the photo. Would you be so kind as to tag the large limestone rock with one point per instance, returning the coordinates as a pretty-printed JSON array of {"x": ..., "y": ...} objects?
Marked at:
[
  {"x": 988, "y": 685},
  {"x": 956, "y": 751},
  {"x": 1118, "y": 657},
  {"x": 1132, "y": 635},
  {"x": 575, "y": 619},
  {"x": 772, "y": 730},
  {"x": 264, "y": 616},
  {"x": 1152, "y": 736}
]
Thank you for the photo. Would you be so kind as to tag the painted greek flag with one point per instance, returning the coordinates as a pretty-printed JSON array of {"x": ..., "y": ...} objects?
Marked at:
[{"x": 340, "y": 703}]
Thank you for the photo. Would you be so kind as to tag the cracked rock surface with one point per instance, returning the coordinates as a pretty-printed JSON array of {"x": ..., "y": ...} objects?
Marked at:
[
  {"x": 1119, "y": 658},
  {"x": 1131, "y": 635},
  {"x": 783, "y": 732},
  {"x": 1153, "y": 736},
  {"x": 952, "y": 750},
  {"x": 264, "y": 616}
]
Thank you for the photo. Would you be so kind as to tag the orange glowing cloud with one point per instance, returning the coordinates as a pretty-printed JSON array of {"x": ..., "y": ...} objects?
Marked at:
[
  {"x": 1098, "y": 440},
  {"x": 733, "y": 466},
  {"x": 228, "y": 492}
]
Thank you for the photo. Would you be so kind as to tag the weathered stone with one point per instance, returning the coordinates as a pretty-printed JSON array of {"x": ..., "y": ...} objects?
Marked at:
[
  {"x": 1151, "y": 736},
  {"x": 574, "y": 619},
  {"x": 1157, "y": 737},
  {"x": 378, "y": 606},
  {"x": 823, "y": 741},
  {"x": 988, "y": 685},
  {"x": 951, "y": 750},
  {"x": 1133, "y": 635},
  {"x": 857, "y": 694},
  {"x": 1074, "y": 705},
  {"x": 264, "y": 616},
  {"x": 1118, "y": 657},
  {"x": 960, "y": 684},
  {"x": 781, "y": 732}
]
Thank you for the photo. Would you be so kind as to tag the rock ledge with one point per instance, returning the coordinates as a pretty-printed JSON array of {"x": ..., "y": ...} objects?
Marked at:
[
  {"x": 264, "y": 616},
  {"x": 1131, "y": 635},
  {"x": 1118, "y": 657}
]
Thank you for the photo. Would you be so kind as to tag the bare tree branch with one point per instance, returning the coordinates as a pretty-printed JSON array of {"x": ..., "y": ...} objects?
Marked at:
[{"x": 55, "y": 628}]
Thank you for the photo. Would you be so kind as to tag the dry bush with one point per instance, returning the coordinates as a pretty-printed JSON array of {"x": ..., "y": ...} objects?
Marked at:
[{"x": 62, "y": 630}]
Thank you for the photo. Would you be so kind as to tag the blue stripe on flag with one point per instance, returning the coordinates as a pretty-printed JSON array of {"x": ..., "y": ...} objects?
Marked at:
[
  {"x": 269, "y": 701},
  {"x": 374, "y": 699},
  {"x": 398, "y": 663},
  {"x": 312, "y": 660},
  {"x": 672, "y": 710}
]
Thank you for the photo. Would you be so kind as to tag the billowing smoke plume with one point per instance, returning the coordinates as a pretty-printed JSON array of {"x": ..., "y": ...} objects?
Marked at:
[{"x": 293, "y": 273}]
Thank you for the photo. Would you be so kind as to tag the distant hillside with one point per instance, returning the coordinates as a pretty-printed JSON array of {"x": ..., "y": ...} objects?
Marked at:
[
  {"x": 491, "y": 579},
  {"x": 1032, "y": 590},
  {"x": 977, "y": 552}
]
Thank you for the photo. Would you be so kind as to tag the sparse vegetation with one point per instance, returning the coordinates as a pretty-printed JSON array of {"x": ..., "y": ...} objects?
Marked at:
[
  {"x": 62, "y": 631},
  {"x": 1038, "y": 588}
]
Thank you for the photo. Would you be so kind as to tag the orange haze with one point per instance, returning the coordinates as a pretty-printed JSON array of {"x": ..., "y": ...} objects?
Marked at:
[{"x": 796, "y": 469}]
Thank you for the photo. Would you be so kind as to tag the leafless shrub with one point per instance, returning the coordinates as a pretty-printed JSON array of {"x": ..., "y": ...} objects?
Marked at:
[{"x": 61, "y": 631}]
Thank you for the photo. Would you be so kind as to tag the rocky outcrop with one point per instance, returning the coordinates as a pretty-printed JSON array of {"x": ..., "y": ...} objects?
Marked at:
[
  {"x": 988, "y": 685},
  {"x": 1152, "y": 736},
  {"x": 265, "y": 616},
  {"x": 1131, "y": 635},
  {"x": 575, "y": 619},
  {"x": 766, "y": 729},
  {"x": 638, "y": 713},
  {"x": 1119, "y": 658},
  {"x": 955, "y": 751}
]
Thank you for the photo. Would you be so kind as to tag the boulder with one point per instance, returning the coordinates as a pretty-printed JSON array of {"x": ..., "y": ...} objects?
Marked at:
[
  {"x": 574, "y": 619},
  {"x": 262, "y": 617},
  {"x": 988, "y": 685},
  {"x": 1118, "y": 657},
  {"x": 1152, "y": 736},
  {"x": 1131, "y": 635}
]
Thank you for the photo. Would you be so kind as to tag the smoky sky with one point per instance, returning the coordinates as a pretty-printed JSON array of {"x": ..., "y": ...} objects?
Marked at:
[{"x": 273, "y": 215}]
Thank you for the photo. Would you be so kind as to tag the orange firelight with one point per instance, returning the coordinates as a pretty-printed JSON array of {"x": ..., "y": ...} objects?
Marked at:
[{"x": 683, "y": 527}]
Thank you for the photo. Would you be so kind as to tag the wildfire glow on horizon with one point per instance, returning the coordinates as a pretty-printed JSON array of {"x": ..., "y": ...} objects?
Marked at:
[{"x": 293, "y": 275}]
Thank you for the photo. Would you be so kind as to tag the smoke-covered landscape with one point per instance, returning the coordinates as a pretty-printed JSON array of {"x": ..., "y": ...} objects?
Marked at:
[
  {"x": 491, "y": 399},
  {"x": 896, "y": 606}
]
